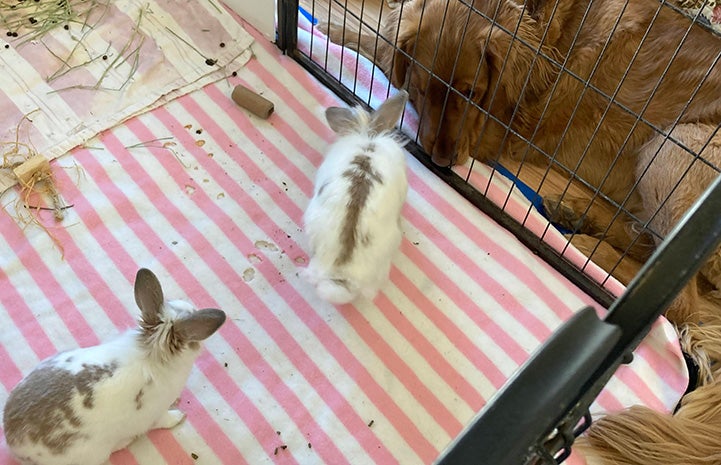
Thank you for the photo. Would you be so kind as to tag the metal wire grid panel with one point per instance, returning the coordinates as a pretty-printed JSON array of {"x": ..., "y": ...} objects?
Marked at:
[{"x": 567, "y": 197}]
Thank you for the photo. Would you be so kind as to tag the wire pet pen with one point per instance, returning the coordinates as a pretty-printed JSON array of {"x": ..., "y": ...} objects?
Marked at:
[{"x": 644, "y": 97}]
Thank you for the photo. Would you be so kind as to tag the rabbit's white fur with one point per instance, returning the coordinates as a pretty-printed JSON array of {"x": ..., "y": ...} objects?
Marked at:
[
  {"x": 79, "y": 406},
  {"x": 362, "y": 181}
]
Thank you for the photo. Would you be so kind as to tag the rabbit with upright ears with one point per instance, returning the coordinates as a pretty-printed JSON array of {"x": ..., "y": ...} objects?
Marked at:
[
  {"x": 79, "y": 406},
  {"x": 353, "y": 220}
]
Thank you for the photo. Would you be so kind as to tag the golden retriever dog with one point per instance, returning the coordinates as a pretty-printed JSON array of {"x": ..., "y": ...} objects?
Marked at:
[{"x": 473, "y": 70}]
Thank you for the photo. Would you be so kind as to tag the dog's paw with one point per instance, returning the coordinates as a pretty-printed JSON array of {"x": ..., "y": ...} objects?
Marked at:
[
  {"x": 563, "y": 213},
  {"x": 335, "y": 32},
  {"x": 322, "y": 26}
]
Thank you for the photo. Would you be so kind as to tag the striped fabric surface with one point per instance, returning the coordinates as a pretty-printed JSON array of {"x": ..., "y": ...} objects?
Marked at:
[
  {"x": 211, "y": 199},
  {"x": 115, "y": 59}
]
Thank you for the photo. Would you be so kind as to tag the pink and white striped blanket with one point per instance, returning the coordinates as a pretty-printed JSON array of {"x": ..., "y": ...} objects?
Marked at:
[{"x": 211, "y": 199}]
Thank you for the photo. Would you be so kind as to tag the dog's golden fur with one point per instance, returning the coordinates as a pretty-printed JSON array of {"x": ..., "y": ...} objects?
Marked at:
[{"x": 642, "y": 436}]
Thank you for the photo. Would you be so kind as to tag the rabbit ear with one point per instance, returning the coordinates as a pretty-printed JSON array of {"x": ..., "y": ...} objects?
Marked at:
[
  {"x": 148, "y": 296},
  {"x": 342, "y": 120},
  {"x": 198, "y": 325},
  {"x": 388, "y": 114}
]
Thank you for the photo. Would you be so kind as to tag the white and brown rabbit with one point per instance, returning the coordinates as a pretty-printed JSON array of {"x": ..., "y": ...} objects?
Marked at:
[
  {"x": 78, "y": 407},
  {"x": 353, "y": 219}
]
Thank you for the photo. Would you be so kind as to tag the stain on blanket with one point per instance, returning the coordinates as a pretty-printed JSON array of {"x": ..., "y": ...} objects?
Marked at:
[
  {"x": 248, "y": 274},
  {"x": 265, "y": 245}
]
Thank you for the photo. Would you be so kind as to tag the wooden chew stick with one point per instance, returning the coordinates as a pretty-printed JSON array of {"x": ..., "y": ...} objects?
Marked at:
[
  {"x": 252, "y": 102},
  {"x": 28, "y": 168}
]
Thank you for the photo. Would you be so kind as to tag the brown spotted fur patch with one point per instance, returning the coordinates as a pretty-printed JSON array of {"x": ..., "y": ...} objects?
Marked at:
[
  {"x": 362, "y": 177},
  {"x": 40, "y": 408}
]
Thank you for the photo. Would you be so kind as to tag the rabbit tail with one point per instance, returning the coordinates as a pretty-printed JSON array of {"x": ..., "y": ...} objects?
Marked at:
[{"x": 336, "y": 291}]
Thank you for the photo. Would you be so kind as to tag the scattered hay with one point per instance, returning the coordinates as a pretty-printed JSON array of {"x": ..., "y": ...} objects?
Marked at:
[
  {"x": 31, "y": 20},
  {"x": 129, "y": 54},
  {"x": 38, "y": 189}
]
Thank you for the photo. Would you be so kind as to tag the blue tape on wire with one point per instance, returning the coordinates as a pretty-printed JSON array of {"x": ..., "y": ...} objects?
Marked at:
[
  {"x": 308, "y": 16},
  {"x": 532, "y": 196}
]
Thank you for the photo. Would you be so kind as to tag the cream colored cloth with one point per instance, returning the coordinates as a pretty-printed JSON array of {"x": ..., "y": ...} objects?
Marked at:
[{"x": 60, "y": 89}]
